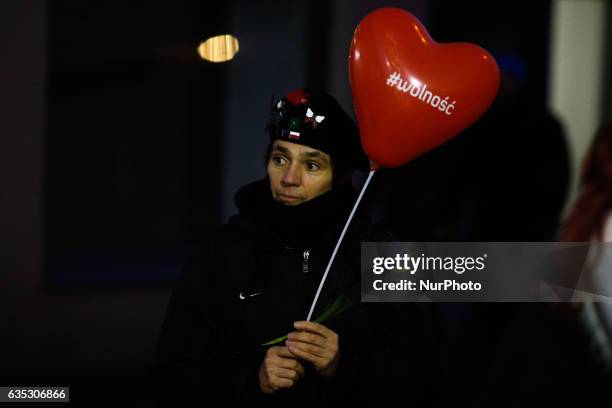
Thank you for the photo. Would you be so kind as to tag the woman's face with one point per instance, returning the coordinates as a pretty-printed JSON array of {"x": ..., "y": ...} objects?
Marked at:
[{"x": 298, "y": 173}]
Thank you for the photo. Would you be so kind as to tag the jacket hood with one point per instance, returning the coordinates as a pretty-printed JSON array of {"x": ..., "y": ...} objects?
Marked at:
[{"x": 319, "y": 220}]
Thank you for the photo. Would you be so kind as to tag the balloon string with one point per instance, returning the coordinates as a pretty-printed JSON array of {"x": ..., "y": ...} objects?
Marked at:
[{"x": 331, "y": 260}]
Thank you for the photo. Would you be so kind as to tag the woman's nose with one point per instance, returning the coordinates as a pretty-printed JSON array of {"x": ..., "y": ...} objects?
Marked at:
[{"x": 291, "y": 177}]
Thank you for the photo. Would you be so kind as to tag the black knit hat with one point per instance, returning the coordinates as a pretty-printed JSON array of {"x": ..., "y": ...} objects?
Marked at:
[{"x": 316, "y": 119}]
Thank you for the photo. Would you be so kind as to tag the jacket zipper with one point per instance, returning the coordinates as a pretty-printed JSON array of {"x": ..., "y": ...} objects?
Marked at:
[{"x": 306, "y": 255}]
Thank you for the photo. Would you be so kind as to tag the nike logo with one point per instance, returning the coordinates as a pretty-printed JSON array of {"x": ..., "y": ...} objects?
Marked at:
[{"x": 242, "y": 296}]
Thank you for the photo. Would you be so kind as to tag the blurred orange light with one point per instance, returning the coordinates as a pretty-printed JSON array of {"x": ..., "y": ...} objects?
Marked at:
[{"x": 220, "y": 48}]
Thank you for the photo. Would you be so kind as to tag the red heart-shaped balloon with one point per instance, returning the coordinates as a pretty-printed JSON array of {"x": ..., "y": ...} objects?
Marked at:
[{"x": 411, "y": 93}]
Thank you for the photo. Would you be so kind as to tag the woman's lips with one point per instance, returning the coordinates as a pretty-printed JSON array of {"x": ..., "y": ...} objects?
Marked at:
[{"x": 287, "y": 198}]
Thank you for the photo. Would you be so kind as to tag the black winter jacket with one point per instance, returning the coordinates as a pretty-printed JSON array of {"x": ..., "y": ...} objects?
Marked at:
[
  {"x": 258, "y": 274},
  {"x": 244, "y": 289}
]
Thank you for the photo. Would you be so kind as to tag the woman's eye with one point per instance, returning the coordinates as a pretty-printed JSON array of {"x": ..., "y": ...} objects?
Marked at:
[
  {"x": 279, "y": 160},
  {"x": 312, "y": 166}
]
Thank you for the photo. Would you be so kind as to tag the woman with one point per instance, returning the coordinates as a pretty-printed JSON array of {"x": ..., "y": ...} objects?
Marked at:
[{"x": 591, "y": 220}]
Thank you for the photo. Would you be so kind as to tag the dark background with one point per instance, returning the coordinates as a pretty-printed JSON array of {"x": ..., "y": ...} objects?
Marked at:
[{"x": 120, "y": 147}]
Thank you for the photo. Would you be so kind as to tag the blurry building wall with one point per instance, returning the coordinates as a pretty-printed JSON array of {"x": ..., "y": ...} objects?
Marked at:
[{"x": 577, "y": 76}]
